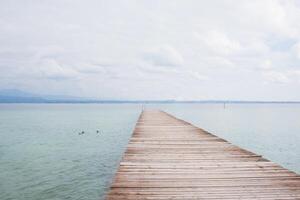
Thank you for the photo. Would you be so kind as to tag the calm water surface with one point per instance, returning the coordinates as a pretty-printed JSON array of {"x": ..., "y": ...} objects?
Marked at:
[{"x": 43, "y": 157}]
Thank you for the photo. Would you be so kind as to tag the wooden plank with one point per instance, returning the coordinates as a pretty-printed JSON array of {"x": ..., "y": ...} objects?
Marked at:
[{"x": 168, "y": 158}]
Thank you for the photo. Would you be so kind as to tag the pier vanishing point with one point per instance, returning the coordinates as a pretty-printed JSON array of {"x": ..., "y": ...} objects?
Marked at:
[{"x": 168, "y": 158}]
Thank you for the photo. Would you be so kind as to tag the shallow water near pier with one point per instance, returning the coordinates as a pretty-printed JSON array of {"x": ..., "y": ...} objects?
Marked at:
[{"x": 43, "y": 156}]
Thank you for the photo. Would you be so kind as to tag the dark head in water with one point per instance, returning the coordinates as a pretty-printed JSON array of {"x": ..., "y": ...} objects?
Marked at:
[{"x": 82, "y": 132}]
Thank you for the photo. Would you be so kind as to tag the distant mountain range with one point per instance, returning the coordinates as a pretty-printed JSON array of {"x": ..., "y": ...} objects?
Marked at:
[{"x": 18, "y": 96}]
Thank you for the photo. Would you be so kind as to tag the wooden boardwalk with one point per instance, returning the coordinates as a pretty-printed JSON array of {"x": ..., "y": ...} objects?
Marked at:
[{"x": 168, "y": 158}]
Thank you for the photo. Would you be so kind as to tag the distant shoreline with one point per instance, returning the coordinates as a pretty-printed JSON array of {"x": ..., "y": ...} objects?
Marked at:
[
  {"x": 148, "y": 102},
  {"x": 17, "y": 96}
]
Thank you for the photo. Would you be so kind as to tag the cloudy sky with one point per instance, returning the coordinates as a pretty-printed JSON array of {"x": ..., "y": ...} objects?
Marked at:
[{"x": 167, "y": 49}]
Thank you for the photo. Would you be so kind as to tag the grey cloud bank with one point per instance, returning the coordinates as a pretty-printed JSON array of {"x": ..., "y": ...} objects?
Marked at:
[{"x": 183, "y": 50}]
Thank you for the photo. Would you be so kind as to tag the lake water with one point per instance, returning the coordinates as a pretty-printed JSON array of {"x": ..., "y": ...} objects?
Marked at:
[{"x": 42, "y": 156}]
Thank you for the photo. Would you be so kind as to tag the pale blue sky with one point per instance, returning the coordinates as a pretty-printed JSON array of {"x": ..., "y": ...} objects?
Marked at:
[{"x": 184, "y": 50}]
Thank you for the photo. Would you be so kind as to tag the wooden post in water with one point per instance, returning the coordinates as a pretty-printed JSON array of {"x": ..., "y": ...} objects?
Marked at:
[{"x": 168, "y": 158}]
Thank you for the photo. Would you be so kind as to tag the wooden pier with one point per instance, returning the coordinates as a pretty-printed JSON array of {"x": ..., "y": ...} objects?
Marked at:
[{"x": 168, "y": 158}]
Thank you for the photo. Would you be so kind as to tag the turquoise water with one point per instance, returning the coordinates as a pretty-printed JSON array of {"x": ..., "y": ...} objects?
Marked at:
[{"x": 42, "y": 156}]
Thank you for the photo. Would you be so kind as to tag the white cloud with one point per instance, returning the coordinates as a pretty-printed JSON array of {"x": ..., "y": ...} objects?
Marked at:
[
  {"x": 51, "y": 69},
  {"x": 198, "y": 76},
  {"x": 276, "y": 77},
  {"x": 296, "y": 50},
  {"x": 266, "y": 64},
  {"x": 144, "y": 49},
  {"x": 163, "y": 56},
  {"x": 295, "y": 74},
  {"x": 218, "y": 42}
]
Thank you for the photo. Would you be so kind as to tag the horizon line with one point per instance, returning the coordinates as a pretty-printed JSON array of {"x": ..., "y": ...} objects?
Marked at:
[{"x": 143, "y": 101}]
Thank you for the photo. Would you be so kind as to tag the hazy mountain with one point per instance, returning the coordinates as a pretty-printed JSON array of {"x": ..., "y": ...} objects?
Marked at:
[
  {"x": 19, "y": 96},
  {"x": 15, "y": 93}
]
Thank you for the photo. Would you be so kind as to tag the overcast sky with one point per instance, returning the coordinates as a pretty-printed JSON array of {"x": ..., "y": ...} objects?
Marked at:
[{"x": 184, "y": 50}]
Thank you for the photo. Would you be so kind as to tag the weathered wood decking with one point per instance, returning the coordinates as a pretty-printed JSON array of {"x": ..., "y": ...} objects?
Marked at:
[{"x": 168, "y": 158}]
